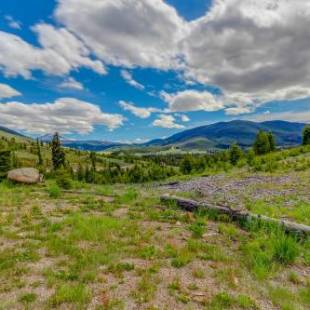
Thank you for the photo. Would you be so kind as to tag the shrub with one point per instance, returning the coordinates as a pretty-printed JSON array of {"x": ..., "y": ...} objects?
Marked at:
[
  {"x": 286, "y": 249},
  {"x": 306, "y": 135},
  {"x": 5, "y": 163},
  {"x": 262, "y": 143},
  {"x": 186, "y": 165},
  {"x": 64, "y": 180},
  {"x": 235, "y": 154},
  {"x": 54, "y": 191}
]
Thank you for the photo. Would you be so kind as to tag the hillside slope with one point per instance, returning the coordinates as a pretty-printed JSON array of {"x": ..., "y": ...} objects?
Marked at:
[
  {"x": 9, "y": 132},
  {"x": 223, "y": 134}
]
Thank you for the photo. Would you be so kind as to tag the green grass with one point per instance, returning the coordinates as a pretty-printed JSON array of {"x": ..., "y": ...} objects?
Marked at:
[
  {"x": 224, "y": 300},
  {"x": 73, "y": 246},
  {"x": 76, "y": 294},
  {"x": 54, "y": 191},
  {"x": 28, "y": 298}
]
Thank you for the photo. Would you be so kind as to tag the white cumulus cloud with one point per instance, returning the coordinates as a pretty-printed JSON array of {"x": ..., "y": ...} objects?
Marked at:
[
  {"x": 167, "y": 121},
  {"x": 255, "y": 48},
  {"x": 71, "y": 83},
  {"x": 6, "y": 91},
  {"x": 129, "y": 33},
  {"x": 60, "y": 52},
  {"x": 65, "y": 115},
  {"x": 184, "y": 118},
  {"x": 291, "y": 116},
  {"x": 137, "y": 111},
  {"x": 192, "y": 100},
  {"x": 127, "y": 76}
]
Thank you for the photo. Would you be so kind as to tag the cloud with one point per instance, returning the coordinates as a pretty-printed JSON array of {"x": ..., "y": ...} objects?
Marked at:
[
  {"x": 167, "y": 121},
  {"x": 126, "y": 33},
  {"x": 65, "y": 115},
  {"x": 127, "y": 76},
  {"x": 14, "y": 24},
  {"x": 292, "y": 116},
  {"x": 184, "y": 118},
  {"x": 60, "y": 53},
  {"x": 254, "y": 51},
  {"x": 256, "y": 48},
  {"x": 71, "y": 83},
  {"x": 7, "y": 91},
  {"x": 137, "y": 111},
  {"x": 192, "y": 100}
]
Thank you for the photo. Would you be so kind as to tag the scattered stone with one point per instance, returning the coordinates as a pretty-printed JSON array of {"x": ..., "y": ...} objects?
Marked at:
[{"x": 25, "y": 175}]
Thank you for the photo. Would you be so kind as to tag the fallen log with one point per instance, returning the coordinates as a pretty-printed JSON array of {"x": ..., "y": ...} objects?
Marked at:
[{"x": 236, "y": 215}]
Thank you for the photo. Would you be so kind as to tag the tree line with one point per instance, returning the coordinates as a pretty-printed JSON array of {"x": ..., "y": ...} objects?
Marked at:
[{"x": 139, "y": 169}]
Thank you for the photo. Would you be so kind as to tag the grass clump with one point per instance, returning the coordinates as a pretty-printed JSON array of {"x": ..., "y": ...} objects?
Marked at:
[
  {"x": 224, "y": 300},
  {"x": 198, "y": 228},
  {"x": 145, "y": 290},
  {"x": 286, "y": 249},
  {"x": 28, "y": 298},
  {"x": 76, "y": 294},
  {"x": 54, "y": 191},
  {"x": 267, "y": 251}
]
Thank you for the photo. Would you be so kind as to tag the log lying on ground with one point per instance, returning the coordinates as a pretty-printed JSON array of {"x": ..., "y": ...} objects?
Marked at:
[{"x": 236, "y": 215}]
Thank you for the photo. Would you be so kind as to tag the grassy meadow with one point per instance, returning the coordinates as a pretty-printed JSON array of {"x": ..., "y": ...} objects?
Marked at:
[{"x": 115, "y": 246}]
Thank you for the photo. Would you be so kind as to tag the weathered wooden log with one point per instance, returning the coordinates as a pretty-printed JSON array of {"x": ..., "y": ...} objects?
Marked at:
[{"x": 236, "y": 215}]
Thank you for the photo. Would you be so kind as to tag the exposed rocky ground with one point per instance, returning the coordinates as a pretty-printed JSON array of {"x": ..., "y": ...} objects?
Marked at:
[{"x": 238, "y": 191}]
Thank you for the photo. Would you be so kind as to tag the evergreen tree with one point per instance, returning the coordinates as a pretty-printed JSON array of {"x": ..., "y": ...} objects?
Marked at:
[
  {"x": 58, "y": 155},
  {"x": 5, "y": 163},
  {"x": 40, "y": 159},
  {"x": 261, "y": 144},
  {"x": 306, "y": 135},
  {"x": 272, "y": 141},
  {"x": 186, "y": 165},
  {"x": 93, "y": 161},
  {"x": 88, "y": 175},
  {"x": 14, "y": 161},
  {"x": 80, "y": 173},
  {"x": 235, "y": 154}
]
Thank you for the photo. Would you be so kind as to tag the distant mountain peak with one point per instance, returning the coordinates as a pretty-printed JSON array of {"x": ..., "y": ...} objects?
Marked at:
[{"x": 243, "y": 132}]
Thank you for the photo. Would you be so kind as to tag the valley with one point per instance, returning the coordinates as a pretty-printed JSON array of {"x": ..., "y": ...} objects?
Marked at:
[{"x": 107, "y": 241}]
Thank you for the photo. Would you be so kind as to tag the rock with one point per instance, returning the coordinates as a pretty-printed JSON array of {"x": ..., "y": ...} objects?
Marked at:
[{"x": 25, "y": 175}]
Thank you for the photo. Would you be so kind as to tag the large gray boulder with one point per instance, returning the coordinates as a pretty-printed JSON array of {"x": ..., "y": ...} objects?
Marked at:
[{"x": 25, "y": 175}]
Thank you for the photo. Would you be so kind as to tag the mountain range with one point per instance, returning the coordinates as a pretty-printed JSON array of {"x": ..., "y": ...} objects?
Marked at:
[
  {"x": 217, "y": 135},
  {"x": 223, "y": 134}
]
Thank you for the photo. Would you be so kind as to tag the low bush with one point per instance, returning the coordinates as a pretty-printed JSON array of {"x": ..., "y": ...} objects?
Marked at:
[{"x": 54, "y": 191}]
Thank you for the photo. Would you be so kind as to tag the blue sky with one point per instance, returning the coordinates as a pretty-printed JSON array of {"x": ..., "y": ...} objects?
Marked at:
[{"x": 152, "y": 70}]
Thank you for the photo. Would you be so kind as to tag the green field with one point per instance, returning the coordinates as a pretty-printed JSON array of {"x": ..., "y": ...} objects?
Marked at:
[{"x": 116, "y": 246}]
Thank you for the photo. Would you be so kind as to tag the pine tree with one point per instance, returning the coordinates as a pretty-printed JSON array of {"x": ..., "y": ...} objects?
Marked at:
[
  {"x": 5, "y": 163},
  {"x": 58, "y": 155},
  {"x": 306, "y": 135},
  {"x": 93, "y": 160},
  {"x": 235, "y": 154},
  {"x": 272, "y": 142},
  {"x": 80, "y": 173},
  {"x": 261, "y": 144},
  {"x": 186, "y": 165},
  {"x": 88, "y": 177},
  {"x": 14, "y": 160},
  {"x": 40, "y": 159}
]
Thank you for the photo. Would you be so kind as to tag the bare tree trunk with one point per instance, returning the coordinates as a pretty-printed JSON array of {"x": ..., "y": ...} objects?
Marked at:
[{"x": 235, "y": 215}]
